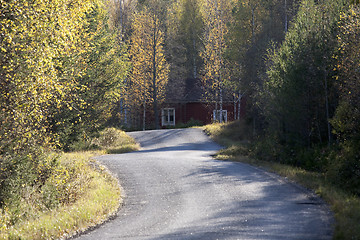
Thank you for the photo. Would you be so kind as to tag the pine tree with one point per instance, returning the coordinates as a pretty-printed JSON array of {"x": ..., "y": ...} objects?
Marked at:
[{"x": 299, "y": 82}]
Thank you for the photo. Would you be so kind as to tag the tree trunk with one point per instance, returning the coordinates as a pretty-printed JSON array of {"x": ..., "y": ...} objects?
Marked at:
[
  {"x": 157, "y": 126},
  {"x": 121, "y": 18},
  {"x": 253, "y": 24},
  {"x": 327, "y": 108},
  {"x": 194, "y": 58},
  {"x": 285, "y": 17},
  {"x": 216, "y": 107},
  {"x": 221, "y": 104},
  {"x": 235, "y": 108},
  {"x": 239, "y": 106},
  {"x": 144, "y": 115}
]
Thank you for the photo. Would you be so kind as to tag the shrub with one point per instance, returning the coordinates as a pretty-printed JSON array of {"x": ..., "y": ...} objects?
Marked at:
[
  {"x": 39, "y": 183},
  {"x": 113, "y": 140},
  {"x": 76, "y": 195},
  {"x": 23, "y": 178},
  {"x": 344, "y": 169},
  {"x": 229, "y": 133}
]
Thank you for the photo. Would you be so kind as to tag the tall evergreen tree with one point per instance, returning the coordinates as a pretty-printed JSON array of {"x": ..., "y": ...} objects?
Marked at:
[
  {"x": 190, "y": 32},
  {"x": 299, "y": 80},
  {"x": 183, "y": 45}
]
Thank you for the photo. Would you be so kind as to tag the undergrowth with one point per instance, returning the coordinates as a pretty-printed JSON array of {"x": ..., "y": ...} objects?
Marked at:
[
  {"x": 109, "y": 140},
  {"x": 317, "y": 170},
  {"x": 77, "y": 195},
  {"x": 48, "y": 195}
]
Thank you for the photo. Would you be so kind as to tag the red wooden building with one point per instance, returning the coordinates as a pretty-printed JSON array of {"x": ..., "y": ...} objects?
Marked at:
[{"x": 193, "y": 106}]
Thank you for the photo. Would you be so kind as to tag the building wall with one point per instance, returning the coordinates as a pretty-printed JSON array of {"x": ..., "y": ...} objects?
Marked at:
[{"x": 184, "y": 112}]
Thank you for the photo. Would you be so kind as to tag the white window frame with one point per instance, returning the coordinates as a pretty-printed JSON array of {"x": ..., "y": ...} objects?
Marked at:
[
  {"x": 216, "y": 115},
  {"x": 165, "y": 117}
]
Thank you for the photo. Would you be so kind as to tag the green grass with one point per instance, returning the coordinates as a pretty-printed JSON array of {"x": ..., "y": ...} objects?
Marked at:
[
  {"x": 77, "y": 195},
  {"x": 110, "y": 141},
  {"x": 346, "y": 206},
  {"x": 99, "y": 199}
]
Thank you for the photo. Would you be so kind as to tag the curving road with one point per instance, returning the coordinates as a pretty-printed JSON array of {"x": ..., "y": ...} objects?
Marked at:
[{"x": 175, "y": 190}]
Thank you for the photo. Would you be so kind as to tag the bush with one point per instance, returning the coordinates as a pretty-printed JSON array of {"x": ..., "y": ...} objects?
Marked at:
[
  {"x": 83, "y": 144},
  {"x": 344, "y": 169},
  {"x": 75, "y": 195},
  {"x": 229, "y": 133},
  {"x": 31, "y": 188},
  {"x": 111, "y": 140},
  {"x": 191, "y": 123},
  {"x": 267, "y": 149},
  {"x": 40, "y": 180},
  {"x": 22, "y": 182},
  {"x": 110, "y": 137}
]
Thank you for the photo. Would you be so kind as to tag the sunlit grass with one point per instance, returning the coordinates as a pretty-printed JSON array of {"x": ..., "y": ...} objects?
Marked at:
[
  {"x": 346, "y": 207},
  {"x": 79, "y": 194},
  {"x": 115, "y": 141},
  {"x": 99, "y": 201}
]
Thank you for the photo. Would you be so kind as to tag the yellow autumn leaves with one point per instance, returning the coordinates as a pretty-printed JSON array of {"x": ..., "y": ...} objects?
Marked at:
[
  {"x": 40, "y": 49},
  {"x": 149, "y": 74},
  {"x": 217, "y": 16}
]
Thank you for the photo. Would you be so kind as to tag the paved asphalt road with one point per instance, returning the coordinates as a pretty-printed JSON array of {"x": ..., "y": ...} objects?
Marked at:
[{"x": 175, "y": 190}]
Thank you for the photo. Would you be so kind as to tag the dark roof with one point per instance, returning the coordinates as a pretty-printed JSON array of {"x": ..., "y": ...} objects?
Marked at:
[{"x": 194, "y": 92}]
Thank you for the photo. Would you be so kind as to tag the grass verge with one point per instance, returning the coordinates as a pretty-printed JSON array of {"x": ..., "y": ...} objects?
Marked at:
[
  {"x": 97, "y": 202},
  {"x": 77, "y": 194},
  {"x": 345, "y": 206},
  {"x": 115, "y": 141}
]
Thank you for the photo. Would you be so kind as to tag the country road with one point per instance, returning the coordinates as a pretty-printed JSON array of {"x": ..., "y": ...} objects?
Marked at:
[{"x": 174, "y": 189}]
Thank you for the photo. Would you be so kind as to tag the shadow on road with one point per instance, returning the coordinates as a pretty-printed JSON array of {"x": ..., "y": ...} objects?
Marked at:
[{"x": 275, "y": 210}]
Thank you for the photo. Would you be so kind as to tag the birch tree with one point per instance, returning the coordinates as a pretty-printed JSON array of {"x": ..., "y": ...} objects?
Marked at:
[
  {"x": 41, "y": 44},
  {"x": 149, "y": 68},
  {"x": 216, "y": 69}
]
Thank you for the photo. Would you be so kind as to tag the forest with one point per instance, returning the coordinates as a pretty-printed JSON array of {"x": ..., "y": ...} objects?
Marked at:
[{"x": 70, "y": 68}]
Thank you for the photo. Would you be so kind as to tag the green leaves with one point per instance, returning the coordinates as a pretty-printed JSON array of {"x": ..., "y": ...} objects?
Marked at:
[
  {"x": 299, "y": 80},
  {"x": 42, "y": 39},
  {"x": 61, "y": 74},
  {"x": 48, "y": 52},
  {"x": 347, "y": 117}
]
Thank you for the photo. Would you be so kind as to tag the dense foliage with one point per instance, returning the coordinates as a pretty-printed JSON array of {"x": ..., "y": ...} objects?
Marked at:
[
  {"x": 62, "y": 68},
  {"x": 298, "y": 91},
  {"x": 346, "y": 120},
  {"x": 149, "y": 73},
  {"x": 309, "y": 98}
]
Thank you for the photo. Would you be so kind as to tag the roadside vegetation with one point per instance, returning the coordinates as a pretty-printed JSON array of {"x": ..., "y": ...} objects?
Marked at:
[
  {"x": 239, "y": 145},
  {"x": 77, "y": 194},
  {"x": 67, "y": 194},
  {"x": 302, "y": 106},
  {"x": 108, "y": 141},
  {"x": 62, "y": 65},
  {"x": 70, "y": 69}
]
